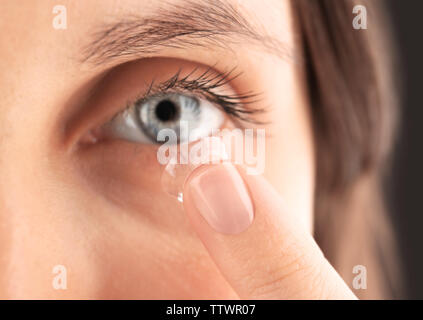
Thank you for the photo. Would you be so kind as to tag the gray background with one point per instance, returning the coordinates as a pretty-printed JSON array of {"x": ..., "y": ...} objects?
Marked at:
[{"x": 405, "y": 192}]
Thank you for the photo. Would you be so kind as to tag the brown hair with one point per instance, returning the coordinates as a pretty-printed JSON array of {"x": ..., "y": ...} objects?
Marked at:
[{"x": 354, "y": 112}]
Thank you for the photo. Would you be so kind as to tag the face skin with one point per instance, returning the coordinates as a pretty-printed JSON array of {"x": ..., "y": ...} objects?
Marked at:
[{"x": 96, "y": 208}]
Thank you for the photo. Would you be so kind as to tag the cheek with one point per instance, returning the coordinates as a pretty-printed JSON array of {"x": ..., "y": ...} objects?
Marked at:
[
  {"x": 290, "y": 165},
  {"x": 136, "y": 244}
]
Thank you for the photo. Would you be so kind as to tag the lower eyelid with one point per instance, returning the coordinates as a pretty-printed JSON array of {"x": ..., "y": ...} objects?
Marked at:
[{"x": 124, "y": 174}]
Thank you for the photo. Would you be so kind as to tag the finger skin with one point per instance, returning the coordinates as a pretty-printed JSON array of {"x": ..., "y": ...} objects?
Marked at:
[{"x": 275, "y": 257}]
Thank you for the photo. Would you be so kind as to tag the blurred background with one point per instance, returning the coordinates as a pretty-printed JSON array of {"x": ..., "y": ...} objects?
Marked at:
[{"x": 406, "y": 192}]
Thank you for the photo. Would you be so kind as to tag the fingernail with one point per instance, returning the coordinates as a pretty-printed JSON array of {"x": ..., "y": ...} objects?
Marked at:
[{"x": 221, "y": 197}]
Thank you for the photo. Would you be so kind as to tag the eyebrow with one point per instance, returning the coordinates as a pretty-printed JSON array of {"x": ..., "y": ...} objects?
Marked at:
[{"x": 203, "y": 23}]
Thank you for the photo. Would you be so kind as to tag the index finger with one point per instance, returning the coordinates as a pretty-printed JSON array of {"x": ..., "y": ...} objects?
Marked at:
[{"x": 260, "y": 248}]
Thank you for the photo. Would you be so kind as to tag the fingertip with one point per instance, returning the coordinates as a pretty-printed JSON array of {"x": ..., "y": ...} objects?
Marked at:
[{"x": 219, "y": 195}]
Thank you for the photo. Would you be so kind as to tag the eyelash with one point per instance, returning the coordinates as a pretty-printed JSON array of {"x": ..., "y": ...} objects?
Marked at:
[{"x": 205, "y": 86}]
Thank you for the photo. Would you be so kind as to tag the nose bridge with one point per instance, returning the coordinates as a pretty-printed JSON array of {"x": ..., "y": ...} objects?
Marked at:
[
  {"x": 34, "y": 229},
  {"x": 23, "y": 220},
  {"x": 16, "y": 251},
  {"x": 26, "y": 225},
  {"x": 42, "y": 238}
]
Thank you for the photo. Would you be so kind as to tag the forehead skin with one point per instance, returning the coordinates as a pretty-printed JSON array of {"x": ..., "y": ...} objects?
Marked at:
[{"x": 29, "y": 25}]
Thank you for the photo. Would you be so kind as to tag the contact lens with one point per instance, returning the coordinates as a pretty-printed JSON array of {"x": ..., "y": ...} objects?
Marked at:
[
  {"x": 241, "y": 148},
  {"x": 179, "y": 160}
]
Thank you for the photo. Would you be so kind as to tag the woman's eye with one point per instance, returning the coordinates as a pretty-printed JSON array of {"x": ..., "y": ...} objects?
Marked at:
[{"x": 189, "y": 117}]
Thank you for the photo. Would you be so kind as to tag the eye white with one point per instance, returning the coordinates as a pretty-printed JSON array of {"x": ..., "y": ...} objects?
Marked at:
[{"x": 141, "y": 123}]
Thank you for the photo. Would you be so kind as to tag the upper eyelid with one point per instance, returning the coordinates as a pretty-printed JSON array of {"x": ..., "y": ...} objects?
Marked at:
[{"x": 205, "y": 84}]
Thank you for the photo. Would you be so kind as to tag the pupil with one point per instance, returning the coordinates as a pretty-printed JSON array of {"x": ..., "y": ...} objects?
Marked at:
[{"x": 166, "y": 110}]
